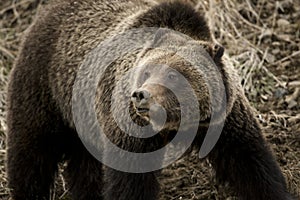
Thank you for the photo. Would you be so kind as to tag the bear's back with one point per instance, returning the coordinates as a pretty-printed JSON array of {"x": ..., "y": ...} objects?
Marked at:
[{"x": 66, "y": 31}]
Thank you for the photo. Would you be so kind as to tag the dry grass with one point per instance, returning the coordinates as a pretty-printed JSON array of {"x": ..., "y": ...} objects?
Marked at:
[{"x": 263, "y": 40}]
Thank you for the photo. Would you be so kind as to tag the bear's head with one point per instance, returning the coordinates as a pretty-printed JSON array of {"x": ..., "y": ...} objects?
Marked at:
[{"x": 170, "y": 89}]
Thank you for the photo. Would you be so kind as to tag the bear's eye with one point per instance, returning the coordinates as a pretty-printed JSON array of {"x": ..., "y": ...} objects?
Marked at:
[
  {"x": 172, "y": 76},
  {"x": 146, "y": 75}
]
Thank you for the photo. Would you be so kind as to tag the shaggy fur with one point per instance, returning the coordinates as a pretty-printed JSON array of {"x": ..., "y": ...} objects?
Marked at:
[{"x": 41, "y": 131}]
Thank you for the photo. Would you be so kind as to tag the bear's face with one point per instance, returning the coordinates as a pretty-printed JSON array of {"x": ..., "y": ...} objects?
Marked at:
[{"x": 165, "y": 90}]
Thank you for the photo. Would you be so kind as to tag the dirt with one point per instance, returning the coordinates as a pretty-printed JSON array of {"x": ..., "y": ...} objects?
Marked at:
[{"x": 263, "y": 40}]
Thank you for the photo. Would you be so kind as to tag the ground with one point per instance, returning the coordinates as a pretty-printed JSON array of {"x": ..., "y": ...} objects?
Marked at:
[{"x": 263, "y": 40}]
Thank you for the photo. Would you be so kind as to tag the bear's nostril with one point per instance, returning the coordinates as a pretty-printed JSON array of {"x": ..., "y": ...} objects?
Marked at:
[
  {"x": 134, "y": 94},
  {"x": 140, "y": 95}
]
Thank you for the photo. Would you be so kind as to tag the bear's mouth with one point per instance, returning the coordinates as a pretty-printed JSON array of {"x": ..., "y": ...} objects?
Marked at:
[{"x": 142, "y": 110}]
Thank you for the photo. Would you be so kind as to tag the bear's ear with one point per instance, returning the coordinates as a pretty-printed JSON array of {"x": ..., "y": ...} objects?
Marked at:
[
  {"x": 165, "y": 37},
  {"x": 217, "y": 52},
  {"x": 214, "y": 50},
  {"x": 159, "y": 36}
]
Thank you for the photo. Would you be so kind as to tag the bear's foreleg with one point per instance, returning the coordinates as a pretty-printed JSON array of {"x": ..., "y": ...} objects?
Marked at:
[
  {"x": 83, "y": 174},
  {"x": 120, "y": 185},
  {"x": 243, "y": 159},
  {"x": 134, "y": 186},
  {"x": 32, "y": 154}
]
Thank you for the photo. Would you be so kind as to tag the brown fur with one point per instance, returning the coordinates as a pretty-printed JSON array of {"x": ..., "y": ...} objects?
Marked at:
[{"x": 41, "y": 131}]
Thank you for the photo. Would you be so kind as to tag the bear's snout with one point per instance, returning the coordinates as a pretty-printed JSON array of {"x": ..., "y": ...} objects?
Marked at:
[{"x": 141, "y": 98}]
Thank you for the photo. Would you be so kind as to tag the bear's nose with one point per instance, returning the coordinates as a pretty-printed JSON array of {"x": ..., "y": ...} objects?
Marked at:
[{"x": 140, "y": 96}]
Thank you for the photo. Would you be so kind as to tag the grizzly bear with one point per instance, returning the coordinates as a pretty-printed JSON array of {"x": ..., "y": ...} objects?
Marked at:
[{"x": 155, "y": 87}]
